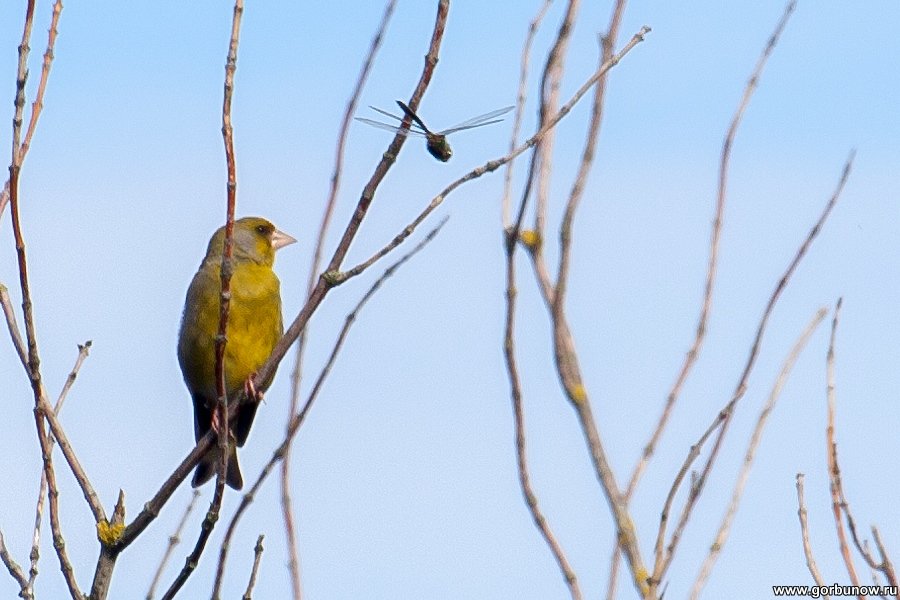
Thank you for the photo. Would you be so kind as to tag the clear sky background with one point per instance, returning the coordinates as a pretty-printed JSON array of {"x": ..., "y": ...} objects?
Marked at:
[{"x": 404, "y": 474}]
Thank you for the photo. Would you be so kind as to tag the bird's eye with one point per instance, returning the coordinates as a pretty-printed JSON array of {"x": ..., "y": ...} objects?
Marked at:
[{"x": 262, "y": 229}]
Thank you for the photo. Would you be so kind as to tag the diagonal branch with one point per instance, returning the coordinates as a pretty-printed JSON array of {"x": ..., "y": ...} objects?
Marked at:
[
  {"x": 738, "y": 491},
  {"x": 15, "y": 570},
  {"x": 174, "y": 540},
  {"x": 712, "y": 265},
  {"x": 286, "y": 502},
  {"x": 720, "y": 424}
]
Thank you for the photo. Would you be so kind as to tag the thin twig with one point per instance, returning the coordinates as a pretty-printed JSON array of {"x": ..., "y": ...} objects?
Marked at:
[
  {"x": 14, "y": 333},
  {"x": 607, "y": 44},
  {"x": 212, "y": 514},
  {"x": 174, "y": 540},
  {"x": 206, "y": 528},
  {"x": 531, "y": 500},
  {"x": 720, "y": 423},
  {"x": 834, "y": 472},
  {"x": 286, "y": 502},
  {"x": 521, "y": 96},
  {"x": 738, "y": 491},
  {"x": 33, "y": 367},
  {"x": 300, "y": 417},
  {"x": 15, "y": 570},
  {"x": 887, "y": 567},
  {"x": 257, "y": 557},
  {"x": 38, "y": 104},
  {"x": 711, "y": 271},
  {"x": 839, "y": 499},
  {"x": 549, "y": 99},
  {"x": 34, "y": 555},
  {"x": 712, "y": 264},
  {"x": 45, "y": 411},
  {"x": 227, "y": 262},
  {"x": 804, "y": 534}
]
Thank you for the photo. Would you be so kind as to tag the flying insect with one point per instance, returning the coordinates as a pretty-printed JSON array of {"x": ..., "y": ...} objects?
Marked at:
[{"x": 436, "y": 142}]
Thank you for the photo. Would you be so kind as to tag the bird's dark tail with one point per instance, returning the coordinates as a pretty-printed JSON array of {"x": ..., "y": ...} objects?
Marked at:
[{"x": 209, "y": 464}]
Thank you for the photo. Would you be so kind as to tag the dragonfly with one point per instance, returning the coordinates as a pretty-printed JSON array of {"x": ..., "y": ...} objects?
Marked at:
[{"x": 435, "y": 142}]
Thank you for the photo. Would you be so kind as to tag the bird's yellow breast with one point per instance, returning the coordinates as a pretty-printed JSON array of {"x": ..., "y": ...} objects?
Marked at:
[{"x": 254, "y": 326}]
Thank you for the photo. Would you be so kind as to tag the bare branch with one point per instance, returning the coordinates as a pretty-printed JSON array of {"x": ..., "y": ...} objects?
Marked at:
[
  {"x": 257, "y": 552},
  {"x": 804, "y": 533},
  {"x": 839, "y": 502},
  {"x": 15, "y": 570},
  {"x": 324, "y": 283},
  {"x": 712, "y": 269},
  {"x": 227, "y": 262},
  {"x": 174, "y": 540},
  {"x": 286, "y": 503},
  {"x": 531, "y": 500},
  {"x": 38, "y": 104},
  {"x": 520, "y": 108},
  {"x": 83, "y": 351},
  {"x": 206, "y": 528},
  {"x": 712, "y": 266},
  {"x": 549, "y": 95},
  {"x": 14, "y": 333},
  {"x": 887, "y": 567},
  {"x": 834, "y": 472},
  {"x": 33, "y": 366},
  {"x": 755, "y": 438},
  {"x": 720, "y": 424}
]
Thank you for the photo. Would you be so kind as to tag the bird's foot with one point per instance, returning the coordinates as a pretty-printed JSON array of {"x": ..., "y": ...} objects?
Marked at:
[
  {"x": 214, "y": 422},
  {"x": 253, "y": 394}
]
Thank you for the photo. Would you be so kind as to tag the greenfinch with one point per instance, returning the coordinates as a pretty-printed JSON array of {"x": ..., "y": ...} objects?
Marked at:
[{"x": 254, "y": 327}]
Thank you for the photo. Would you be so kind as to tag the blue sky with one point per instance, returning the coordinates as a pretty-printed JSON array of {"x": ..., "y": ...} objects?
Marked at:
[{"x": 404, "y": 474}]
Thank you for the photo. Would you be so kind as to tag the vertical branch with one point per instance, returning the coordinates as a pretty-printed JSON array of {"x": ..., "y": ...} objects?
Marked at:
[
  {"x": 549, "y": 94},
  {"x": 712, "y": 265},
  {"x": 286, "y": 502},
  {"x": 227, "y": 263},
  {"x": 804, "y": 534},
  {"x": 224, "y": 440},
  {"x": 834, "y": 472},
  {"x": 38, "y": 104},
  {"x": 886, "y": 567},
  {"x": 34, "y": 372},
  {"x": 738, "y": 491},
  {"x": 257, "y": 557},
  {"x": 512, "y": 369},
  {"x": 34, "y": 555},
  {"x": 521, "y": 96}
]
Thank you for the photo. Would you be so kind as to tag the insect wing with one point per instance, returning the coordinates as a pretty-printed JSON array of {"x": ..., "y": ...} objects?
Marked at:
[
  {"x": 413, "y": 130},
  {"x": 388, "y": 127},
  {"x": 479, "y": 121}
]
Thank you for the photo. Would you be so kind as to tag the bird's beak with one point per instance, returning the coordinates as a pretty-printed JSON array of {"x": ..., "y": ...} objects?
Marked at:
[{"x": 280, "y": 239}]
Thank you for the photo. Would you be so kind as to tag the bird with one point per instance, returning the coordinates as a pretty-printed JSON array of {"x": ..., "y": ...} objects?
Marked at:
[{"x": 254, "y": 327}]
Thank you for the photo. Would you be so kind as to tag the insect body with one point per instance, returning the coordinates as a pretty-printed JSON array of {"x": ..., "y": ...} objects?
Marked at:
[{"x": 436, "y": 142}]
